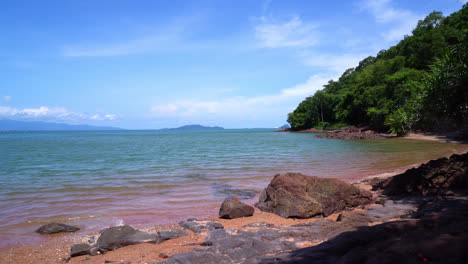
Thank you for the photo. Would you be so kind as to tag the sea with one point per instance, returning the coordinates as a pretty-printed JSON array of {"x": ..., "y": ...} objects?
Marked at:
[{"x": 97, "y": 179}]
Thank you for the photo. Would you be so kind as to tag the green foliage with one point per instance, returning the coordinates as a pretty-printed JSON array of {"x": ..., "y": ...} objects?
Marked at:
[{"x": 420, "y": 83}]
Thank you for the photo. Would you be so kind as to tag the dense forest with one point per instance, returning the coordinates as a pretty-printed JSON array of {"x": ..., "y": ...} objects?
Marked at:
[{"x": 419, "y": 84}]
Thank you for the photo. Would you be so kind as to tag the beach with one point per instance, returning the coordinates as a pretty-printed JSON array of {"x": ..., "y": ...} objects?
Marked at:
[{"x": 56, "y": 248}]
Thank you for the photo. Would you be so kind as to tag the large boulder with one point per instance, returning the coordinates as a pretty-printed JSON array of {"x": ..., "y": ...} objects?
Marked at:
[
  {"x": 120, "y": 236},
  {"x": 432, "y": 178},
  {"x": 234, "y": 208},
  {"x": 54, "y": 228},
  {"x": 299, "y": 196}
]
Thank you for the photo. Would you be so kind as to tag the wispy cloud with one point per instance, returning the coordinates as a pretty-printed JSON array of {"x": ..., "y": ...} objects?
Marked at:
[
  {"x": 243, "y": 107},
  {"x": 51, "y": 114},
  {"x": 292, "y": 33},
  {"x": 6, "y": 98},
  {"x": 402, "y": 21},
  {"x": 337, "y": 63}
]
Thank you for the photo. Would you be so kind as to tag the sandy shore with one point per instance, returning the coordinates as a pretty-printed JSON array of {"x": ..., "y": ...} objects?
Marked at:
[{"x": 56, "y": 248}]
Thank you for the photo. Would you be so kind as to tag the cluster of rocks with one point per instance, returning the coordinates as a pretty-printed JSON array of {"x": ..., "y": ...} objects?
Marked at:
[
  {"x": 417, "y": 227},
  {"x": 353, "y": 133},
  {"x": 436, "y": 177}
]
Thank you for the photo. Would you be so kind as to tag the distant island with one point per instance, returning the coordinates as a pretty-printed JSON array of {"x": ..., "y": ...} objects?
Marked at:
[
  {"x": 195, "y": 127},
  {"x": 15, "y": 125}
]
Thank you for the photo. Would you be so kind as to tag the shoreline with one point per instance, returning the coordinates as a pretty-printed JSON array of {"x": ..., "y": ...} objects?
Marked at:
[{"x": 56, "y": 248}]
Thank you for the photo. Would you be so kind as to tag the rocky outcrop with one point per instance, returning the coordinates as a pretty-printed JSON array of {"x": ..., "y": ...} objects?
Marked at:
[
  {"x": 54, "y": 228},
  {"x": 352, "y": 133},
  {"x": 120, "y": 236},
  {"x": 298, "y": 196},
  {"x": 80, "y": 250},
  {"x": 432, "y": 178},
  {"x": 234, "y": 208}
]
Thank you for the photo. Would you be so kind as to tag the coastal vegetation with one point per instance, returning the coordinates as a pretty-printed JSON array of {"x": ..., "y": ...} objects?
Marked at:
[{"x": 418, "y": 84}]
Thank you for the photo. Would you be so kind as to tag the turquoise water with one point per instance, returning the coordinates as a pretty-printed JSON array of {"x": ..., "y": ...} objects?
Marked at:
[{"x": 100, "y": 178}]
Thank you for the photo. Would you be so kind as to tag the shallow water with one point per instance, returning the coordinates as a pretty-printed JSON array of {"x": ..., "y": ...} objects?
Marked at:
[{"x": 100, "y": 178}]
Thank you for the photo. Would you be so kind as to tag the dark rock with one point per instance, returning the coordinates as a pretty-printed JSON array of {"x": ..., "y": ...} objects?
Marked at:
[
  {"x": 56, "y": 228},
  {"x": 206, "y": 243},
  {"x": 214, "y": 225},
  {"x": 432, "y": 178},
  {"x": 299, "y": 196},
  {"x": 164, "y": 235},
  {"x": 191, "y": 219},
  {"x": 194, "y": 226},
  {"x": 200, "y": 226},
  {"x": 163, "y": 255},
  {"x": 234, "y": 208},
  {"x": 120, "y": 236},
  {"x": 79, "y": 250},
  {"x": 91, "y": 240},
  {"x": 259, "y": 224}
]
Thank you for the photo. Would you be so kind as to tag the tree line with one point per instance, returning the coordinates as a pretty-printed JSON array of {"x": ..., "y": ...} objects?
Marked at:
[{"x": 419, "y": 84}]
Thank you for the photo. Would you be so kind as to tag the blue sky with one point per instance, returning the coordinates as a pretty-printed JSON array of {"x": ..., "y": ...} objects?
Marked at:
[{"x": 155, "y": 64}]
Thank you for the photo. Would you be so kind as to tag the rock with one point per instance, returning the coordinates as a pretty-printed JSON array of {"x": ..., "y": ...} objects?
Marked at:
[
  {"x": 354, "y": 218},
  {"x": 194, "y": 226},
  {"x": 164, "y": 235},
  {"x": 56, "y": 228},
  {"x": 200, "y": 226},
  {"x": 91, "y": 240},
  {"x": 163, "y": 255},
  {"x": 214, "y": 225},
  {"x": 234, "y": 208},
  {"x": 79, "y": 250},
  {"x": 120, "y": 236},
  {"x": 259, "y": 224},
  {"x": 392, "y": 209},
  {"x": 228, "y": 191},
  {"x": 352, "y": 133},
  {"x": 432, "y": 178},
  {"x": 299, "y": 196},
  {"x": 441, "y": 238}
]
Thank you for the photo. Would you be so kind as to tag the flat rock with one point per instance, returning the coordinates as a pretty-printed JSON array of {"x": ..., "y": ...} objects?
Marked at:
[
  {"x": 299, "y": 196},
  {"x": 392, "y": 209},
  {"x": 200, "y": 226},
  {"x": 164, "y": 235},
  {"x": 234, "y": 208},
  {"x": 355, "y": 218},
  {"x": 120, "y": 236},
  {"x": 54, "y": 228}
]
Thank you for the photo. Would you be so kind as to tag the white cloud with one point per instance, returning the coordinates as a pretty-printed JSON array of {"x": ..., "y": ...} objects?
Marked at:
[
  {"x": 403, "y": 21},
  {"x": 243, "y": 107},
  {"x": 51, "y": 114},
  {"x": 332, "y": 62},
  {"x": 292, "y": 33},
  {"x": 7, "y": 98}
]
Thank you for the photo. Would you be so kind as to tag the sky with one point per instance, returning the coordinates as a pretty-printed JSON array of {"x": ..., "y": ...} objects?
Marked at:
[{"x": 158, "y": 64}]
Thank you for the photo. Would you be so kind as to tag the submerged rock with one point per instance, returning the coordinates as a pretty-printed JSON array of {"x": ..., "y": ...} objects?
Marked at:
[
  {"x": 120, "y": 236},
  {"x": 54, "y": 228},
  {"x": 234, "y": 208},
  {"x": 300, "y": 196}
]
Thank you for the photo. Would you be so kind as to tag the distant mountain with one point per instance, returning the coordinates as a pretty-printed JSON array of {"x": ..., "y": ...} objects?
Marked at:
[
  {"x": 196, "y": 127},
  {"x": 14, "y": 125}
]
